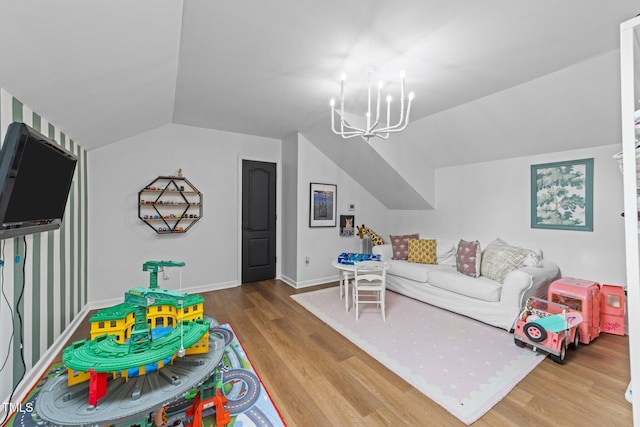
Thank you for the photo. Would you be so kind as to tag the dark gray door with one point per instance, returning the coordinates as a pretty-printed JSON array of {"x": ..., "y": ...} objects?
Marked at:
[{"x": 258, "y": 221}]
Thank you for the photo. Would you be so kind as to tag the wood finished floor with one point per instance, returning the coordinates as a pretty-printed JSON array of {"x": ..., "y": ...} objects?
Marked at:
[{"x": 316, "y": 377}]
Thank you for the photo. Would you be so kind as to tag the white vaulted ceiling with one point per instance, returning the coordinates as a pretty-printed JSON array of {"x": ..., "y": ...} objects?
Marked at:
[{"x": 105, "y": 70}]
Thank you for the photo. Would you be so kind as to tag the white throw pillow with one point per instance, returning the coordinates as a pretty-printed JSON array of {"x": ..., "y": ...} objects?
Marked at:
[
  {"x": 385, "y": 251},
  {"x": 446, "y": 252}
]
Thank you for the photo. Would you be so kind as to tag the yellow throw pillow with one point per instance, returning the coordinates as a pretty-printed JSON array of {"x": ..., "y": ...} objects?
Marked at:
[{"x": 422, "y": 251}]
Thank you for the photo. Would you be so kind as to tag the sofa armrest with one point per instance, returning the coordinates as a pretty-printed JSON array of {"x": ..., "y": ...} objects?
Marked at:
[
  {"x": 528, "y": 282},
  {"x": 385, "y": 251}
]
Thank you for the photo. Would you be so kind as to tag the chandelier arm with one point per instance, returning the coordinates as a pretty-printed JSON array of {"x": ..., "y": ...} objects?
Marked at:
[
  {"x": 345, "y": 125},
  {"x": 350, "y": 128},
  {"x": 406, "y": 121},
  {"x": 399, "y": 128},
  {"x": 350, "y": 135},
  {"x": 377, "y": 106},
  {"x": 353, "y": 133},
  {"x": 402, "y": 99},
  {"x": 389, "y": 129},
  {"x": 369, "y": 103}
]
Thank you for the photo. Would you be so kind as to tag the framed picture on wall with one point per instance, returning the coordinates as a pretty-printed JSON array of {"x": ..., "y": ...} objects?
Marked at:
[
  {"x": 346, "y": 225},
  {"x": 562, "y": 195},
  {"x": 322, "y": 209}
]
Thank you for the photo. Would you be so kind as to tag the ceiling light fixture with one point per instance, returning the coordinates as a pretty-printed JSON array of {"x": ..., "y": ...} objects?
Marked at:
[{"x": 347, "y": 131}]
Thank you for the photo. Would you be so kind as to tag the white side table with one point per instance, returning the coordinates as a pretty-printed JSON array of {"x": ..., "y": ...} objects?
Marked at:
[{"x": 347, "y": 271}]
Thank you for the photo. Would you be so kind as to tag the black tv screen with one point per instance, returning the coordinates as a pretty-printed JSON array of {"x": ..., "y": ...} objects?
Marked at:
[{"x": 36, "y": 175}]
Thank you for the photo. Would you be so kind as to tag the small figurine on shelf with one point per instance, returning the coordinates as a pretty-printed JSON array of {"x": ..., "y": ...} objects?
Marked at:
[{"x": 180, "y": 172}]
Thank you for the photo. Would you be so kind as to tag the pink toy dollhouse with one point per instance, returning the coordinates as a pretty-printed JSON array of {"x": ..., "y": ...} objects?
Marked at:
[{"x": 601, "y": 306}]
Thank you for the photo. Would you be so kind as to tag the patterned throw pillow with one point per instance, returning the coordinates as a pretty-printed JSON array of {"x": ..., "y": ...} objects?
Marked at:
[
  {"x": 422, "y": 251},
  {"x": 468, "y": 258},
  {"x": 500, "y": 259},
  {"x": 400, "y": 246}
]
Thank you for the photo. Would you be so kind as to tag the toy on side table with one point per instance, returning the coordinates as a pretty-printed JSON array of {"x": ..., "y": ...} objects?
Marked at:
[
  {"x": 548, "y": 326},
  {"x": 350, "y": 258}
]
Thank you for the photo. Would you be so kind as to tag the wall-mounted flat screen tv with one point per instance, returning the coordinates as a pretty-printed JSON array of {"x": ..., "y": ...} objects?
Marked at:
[{"x": 36, "y": 175}]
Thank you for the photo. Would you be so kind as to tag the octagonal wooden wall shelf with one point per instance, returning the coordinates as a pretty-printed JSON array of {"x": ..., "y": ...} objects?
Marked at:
[{"x": 170, "y": 204}]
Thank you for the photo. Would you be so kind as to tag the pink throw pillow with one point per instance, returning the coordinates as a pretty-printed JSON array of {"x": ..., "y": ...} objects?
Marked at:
[
  {"x": 468, "y": 258},
  {"x": 400, "y": 245}
]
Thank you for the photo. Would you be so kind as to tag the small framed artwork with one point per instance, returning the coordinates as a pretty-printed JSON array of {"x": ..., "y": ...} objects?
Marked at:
[
  {"x": 322, "y": 210},
  {"x": 346, "y": 225},
  {"x": 562, "y": 195}
]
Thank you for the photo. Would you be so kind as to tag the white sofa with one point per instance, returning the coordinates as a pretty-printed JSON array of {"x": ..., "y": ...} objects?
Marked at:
[{"x": 489, "y": 301}]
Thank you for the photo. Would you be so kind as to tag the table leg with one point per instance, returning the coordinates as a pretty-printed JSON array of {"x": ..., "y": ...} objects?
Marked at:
[{"x": 346, "y": 292}]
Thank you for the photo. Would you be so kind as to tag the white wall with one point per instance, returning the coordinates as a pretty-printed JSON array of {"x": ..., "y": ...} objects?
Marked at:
[
  {"x": 323, "y": 245},
  {"x": 479, "y": 201},
  {"x": 120, "y": 242},
  {"x": 289, "y": 177},
  {"x": 484, "y": 201}
]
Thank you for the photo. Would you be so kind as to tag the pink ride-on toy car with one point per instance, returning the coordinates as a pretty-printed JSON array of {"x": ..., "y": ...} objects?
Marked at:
[{"x": 548, "y": 326}]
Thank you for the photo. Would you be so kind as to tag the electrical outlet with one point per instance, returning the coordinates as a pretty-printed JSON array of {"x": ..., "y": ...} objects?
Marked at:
[
  {"x": 306, "y": 260},
  {"x": 165, "y": 274}
]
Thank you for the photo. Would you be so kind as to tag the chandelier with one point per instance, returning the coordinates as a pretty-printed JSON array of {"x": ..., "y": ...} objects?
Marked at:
[{"x": 373, "y": 127}]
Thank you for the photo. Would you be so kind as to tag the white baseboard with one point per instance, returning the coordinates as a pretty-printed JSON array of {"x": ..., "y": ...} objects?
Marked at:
[
  {"x": 288, "y": 281},
  {"x": 308, "y": 283}
]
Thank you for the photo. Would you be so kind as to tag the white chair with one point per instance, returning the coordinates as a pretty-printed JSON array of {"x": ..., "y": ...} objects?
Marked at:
[{"x": 369, "y": 285}]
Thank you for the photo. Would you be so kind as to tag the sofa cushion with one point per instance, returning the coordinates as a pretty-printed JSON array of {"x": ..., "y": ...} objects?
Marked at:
[
  {"x": 454, "y": 281},
  {"x": 422, "y": 251},
  {"x": 468, "y": 258},
  {"x": 400, "y": 245},
  {"x": 499, "y": 259},
  {"x": 413, "y": 271}
]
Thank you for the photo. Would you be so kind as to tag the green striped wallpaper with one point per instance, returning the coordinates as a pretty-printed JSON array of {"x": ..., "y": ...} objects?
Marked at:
[{"x": 51, "y": 265}]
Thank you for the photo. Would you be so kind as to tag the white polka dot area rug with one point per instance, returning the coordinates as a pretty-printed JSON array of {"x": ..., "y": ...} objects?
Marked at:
[{"x": 463, "y": 365}]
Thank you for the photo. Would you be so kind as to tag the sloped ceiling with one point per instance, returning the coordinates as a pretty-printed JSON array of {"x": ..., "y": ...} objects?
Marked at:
[{"x": 104, "y": 70}]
